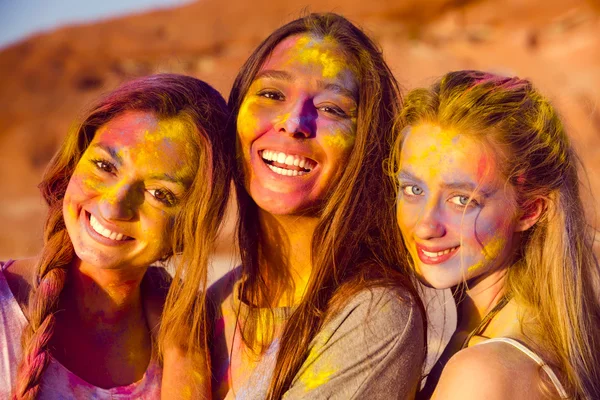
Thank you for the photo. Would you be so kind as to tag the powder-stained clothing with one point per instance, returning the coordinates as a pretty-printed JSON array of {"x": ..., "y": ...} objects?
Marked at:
[
  {"x": 373, "y": 348},
  {"x": 57, "y": 381}
]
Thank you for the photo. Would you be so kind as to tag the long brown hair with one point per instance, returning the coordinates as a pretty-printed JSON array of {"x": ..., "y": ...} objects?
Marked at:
[
  {"x": 165, "y": 96},
  {"x": 356, "y": 244},
  {"x": 555, "y": 273}
]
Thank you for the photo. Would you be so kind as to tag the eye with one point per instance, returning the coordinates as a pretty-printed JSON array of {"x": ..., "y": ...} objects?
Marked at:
[
  {"x": 334, "y": 110},
  {"x": 164, "y": 196},
  {"x": 272, "y": 94},
  {"x": 104, "y": 165},
  {"x": 412, "y": 190},
  {"x": 463, "y": 201}
]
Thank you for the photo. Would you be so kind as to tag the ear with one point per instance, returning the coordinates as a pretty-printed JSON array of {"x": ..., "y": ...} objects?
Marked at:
[{"x": 531, "y": 213}]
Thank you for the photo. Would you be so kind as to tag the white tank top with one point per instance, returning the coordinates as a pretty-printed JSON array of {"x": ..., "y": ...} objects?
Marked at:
[{"x": 559, "y": 387}]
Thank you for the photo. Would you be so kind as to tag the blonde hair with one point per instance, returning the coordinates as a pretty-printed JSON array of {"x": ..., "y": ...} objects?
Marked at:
[
  {"x": 166, "y": 96},
  {"x": 556, "y": 273}
]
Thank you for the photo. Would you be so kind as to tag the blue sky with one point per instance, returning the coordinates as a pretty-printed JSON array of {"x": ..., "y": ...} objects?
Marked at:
[{"x": 21, "y": 18}]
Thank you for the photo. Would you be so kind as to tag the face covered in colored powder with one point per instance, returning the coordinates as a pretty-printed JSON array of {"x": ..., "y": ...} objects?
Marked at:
[
  {"x": 297, "y": 124},
  {"x": 455, "y": 211},
  {"x": 123, "y": 196}
]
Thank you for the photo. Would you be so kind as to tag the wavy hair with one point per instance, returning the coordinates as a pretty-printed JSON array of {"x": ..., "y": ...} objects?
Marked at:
[
  {"x": 166, "y": 96},
  {"x": 360, "y": 251},
  {"x": 555, "y": 274}
]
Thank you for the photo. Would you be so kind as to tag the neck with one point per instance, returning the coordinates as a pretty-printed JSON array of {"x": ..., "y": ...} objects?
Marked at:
[
  {"x": 286, "y": 251},
  {"x": 480, "y": 298},
  {"x": 99, "y": 297}
]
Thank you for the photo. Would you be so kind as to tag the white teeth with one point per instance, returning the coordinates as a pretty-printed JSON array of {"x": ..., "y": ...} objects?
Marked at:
[
  {"x": 286, "y": 172},
  {"x": 288, "y": 159},
  {"x": 96, "y": 226},
  {"x": 439, "y": 253}
]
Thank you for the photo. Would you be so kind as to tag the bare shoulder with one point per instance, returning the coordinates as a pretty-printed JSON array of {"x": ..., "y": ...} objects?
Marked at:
[
  {"x": 19, "y": 276},
  {"x": 490, "y": 371}
]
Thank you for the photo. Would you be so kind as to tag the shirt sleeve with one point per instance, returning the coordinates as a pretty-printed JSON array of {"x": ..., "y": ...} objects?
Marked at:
[{"x": 374, "y": 348}]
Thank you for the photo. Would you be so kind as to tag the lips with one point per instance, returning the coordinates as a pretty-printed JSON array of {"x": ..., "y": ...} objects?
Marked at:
[
  {"x": 435, "y": 256},
  {"x": 287, "y": 164},
  {"x": 103, "y": 234}
]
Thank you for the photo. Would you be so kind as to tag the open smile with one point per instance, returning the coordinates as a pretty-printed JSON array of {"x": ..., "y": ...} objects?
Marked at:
[
  {"x": 435, "y": 257},
  {"x": 287, "y": 164},
  {"x": 103, "y": 234}
]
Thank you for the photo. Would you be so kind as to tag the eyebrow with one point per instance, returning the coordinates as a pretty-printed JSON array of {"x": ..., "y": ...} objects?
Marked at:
[
  {"x": 177, "y": 178},
  {"x": 337, "y": 89},
  {"x": 403, "y": 174},
  {"x": 274, "y": 74},
  {"x": 110, "y": 150},
  {"x": 286, "y": 76}
]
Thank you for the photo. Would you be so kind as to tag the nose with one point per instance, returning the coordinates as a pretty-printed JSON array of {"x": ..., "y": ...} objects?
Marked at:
[
  {"x": 430, "y": 224},
  {"x": 300, "y": 121},
  {"x": 122, "y": 201}
]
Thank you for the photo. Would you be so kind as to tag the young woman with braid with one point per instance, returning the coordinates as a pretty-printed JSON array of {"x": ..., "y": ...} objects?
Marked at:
[
  {"x": 147, "y": 170},
  {"x": 321, "y": 306},
  {"x": 489, "y": 205}
]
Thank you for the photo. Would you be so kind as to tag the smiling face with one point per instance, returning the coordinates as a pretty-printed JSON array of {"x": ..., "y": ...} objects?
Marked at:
[
  {"x": 297, "y": 124},
  {"x": 122, "y": 199},
  {"x": 456, "y": 214}
]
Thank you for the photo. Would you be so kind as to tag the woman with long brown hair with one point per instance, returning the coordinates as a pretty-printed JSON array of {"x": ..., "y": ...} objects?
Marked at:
[
  {"x": 321, "y": 306},
  {"x": 146, "y": 171},
  {"x": 489, "y": 206}
]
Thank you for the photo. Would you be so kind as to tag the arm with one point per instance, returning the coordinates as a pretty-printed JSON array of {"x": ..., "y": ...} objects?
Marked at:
[
  {"x": 185, "y": 373},
  {"x": 374, "y": 348}
]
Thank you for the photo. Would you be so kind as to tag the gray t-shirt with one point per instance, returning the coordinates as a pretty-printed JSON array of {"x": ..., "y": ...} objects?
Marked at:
[{"x": 373, "y": 348}]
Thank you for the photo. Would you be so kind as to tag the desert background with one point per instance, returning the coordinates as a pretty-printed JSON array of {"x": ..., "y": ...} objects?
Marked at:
[{"x": 47, "y": 80}]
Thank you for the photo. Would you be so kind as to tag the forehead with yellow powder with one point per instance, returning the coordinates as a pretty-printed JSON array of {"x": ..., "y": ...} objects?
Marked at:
[
  {"x": 449, "y": 155},
  {"x": 151, "y": 144},
  {"x": 321, "y": 53}
]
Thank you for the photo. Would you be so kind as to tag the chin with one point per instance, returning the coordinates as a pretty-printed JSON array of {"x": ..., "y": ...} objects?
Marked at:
[
  {"x": 437, "y": 280},
  {"x": 283, "y": 204}
]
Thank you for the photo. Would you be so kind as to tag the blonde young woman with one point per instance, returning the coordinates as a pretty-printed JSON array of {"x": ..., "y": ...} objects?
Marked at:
[
  {"x": 322, "y": 306},
  {"x": 489, "y": 205},
  {"x": 145, "y": 172}
]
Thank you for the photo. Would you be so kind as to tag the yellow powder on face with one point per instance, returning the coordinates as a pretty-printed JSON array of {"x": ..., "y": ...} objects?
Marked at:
[
  {"x": 436, "y": 153},
  {"x": 490, "y": 251},
  {"x": 339, "y": 140},
  {"x": 320, "y": 53},
  {"x": 166, "y": 142},
  {"x": 246, "y": 121}
]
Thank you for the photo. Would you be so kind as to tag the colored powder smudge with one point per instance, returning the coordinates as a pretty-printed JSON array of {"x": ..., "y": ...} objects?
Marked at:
[
  {"x": 490, "y": 251},
  {"x": 436, "y": 153},
  {"x": 246, "y": 121},
  {"x": 311, "y": 51},
  {"x": 339, "y": 140},
  {"x": 320, "y": 369},
  {"x": 313, "y": 378}
]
